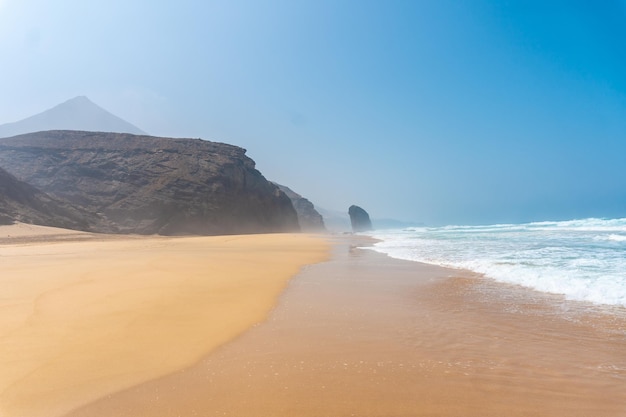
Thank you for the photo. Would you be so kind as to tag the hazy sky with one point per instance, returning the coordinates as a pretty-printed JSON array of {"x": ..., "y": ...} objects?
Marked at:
[{"x": 437, "y": 111}]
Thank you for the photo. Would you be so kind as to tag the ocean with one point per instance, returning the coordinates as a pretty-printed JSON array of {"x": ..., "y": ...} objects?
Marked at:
[{"x": 583, "y": 259}]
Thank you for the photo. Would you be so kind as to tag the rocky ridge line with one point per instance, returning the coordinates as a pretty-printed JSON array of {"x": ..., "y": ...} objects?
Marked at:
[{"x": 151, "y": 185}]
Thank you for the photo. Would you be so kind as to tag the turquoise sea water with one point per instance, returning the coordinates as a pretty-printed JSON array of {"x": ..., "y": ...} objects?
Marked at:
[{"x": 581, "y": 259}]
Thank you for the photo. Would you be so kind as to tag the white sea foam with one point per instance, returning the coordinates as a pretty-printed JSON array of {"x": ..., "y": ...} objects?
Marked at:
[
  {"x": 581, "y": 259},
  {"x": 616, "y": 238}
]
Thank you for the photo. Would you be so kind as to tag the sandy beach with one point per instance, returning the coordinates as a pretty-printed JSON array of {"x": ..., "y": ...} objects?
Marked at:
[
  {"x": 366, "y": 335},
  {"x": 84, "y": 316},
  {"x": 360, "y": 334}
]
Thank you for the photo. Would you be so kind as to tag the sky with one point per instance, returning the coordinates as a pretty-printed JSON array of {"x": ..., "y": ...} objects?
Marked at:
[{"x": 434, "y": 111}]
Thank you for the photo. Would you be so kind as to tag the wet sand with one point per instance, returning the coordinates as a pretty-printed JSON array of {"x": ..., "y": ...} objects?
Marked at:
[
  {"x": 83, "y": 316},
  {"x": 366, "y": 335}
]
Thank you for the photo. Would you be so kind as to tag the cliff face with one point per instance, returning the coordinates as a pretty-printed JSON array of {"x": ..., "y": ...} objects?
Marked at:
[
  {"x": 147, "y": 185},
  {"x": 22, "y": 202},
  {"x": 310, "y": 220}
]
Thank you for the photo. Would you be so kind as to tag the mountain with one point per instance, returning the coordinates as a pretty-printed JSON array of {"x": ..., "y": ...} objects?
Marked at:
[
  {"x": 22, "y": 202},
  {"x": 148, "y": 185},
  {"x": 310, "y": 220},
  {"x": 79, "y": 113}
]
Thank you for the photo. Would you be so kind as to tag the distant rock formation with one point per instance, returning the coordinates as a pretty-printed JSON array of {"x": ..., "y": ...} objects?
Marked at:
[
  {"x": 21, "y": 202},
  {"x": 79, "y": 113},
  {"x": 339, "y": 221},
  {"x": 310, "y": 220},
  {"x": 150, "y": 185},
  {"x": 360, "y": 219}
]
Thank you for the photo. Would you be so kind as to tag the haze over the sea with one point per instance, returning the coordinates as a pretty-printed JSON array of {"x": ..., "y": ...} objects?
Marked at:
[{"x": 436, "y": 111}]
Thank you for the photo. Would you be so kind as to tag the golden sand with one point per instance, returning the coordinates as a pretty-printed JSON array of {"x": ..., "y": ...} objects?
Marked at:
[
  {"x": 83, "y": 317},
  {"x": 366, "y": 335},
  {"x": 361, "y": 335}
]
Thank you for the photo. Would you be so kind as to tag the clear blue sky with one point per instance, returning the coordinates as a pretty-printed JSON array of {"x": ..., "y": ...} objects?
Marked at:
[{"x": 437, "y": 111}]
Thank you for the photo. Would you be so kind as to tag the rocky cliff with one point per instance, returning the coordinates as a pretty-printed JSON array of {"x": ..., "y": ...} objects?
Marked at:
[
  {"x": 24, "y": 203},
  {"x": 148, "y": 185},
  {"x": 310, "y": 220}
]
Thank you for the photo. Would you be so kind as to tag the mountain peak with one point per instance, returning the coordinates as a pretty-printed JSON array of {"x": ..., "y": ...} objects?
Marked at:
[
  {"x": 80, "y": 105},
  {"x": 80, "y": 99},
  {"x": 78, "y": 113}
]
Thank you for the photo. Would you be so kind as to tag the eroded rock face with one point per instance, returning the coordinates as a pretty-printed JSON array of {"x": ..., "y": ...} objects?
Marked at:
[
  {"x": 24, "y": 203},
  {"x": 150, "y": 185},
  {"x": 310, "y": 220},
  {"x": 360, "y": 219}
]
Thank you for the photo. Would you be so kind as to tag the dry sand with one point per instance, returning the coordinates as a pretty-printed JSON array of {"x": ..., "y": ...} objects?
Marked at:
[
  {"x": 83, "y": 316},
  {"x": 365, "y": 335}
]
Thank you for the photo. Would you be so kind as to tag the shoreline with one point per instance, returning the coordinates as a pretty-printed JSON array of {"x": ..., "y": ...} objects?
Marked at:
[
  {"x": 85, "y": 316},
  {"x": 365, "y": 334},
  {"x": 520, "y": 294}
]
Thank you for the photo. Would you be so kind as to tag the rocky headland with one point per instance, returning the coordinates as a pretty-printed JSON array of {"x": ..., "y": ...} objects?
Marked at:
[
  {"x": 126, "y": 183},
  {"x": 308, "y": 217}
]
